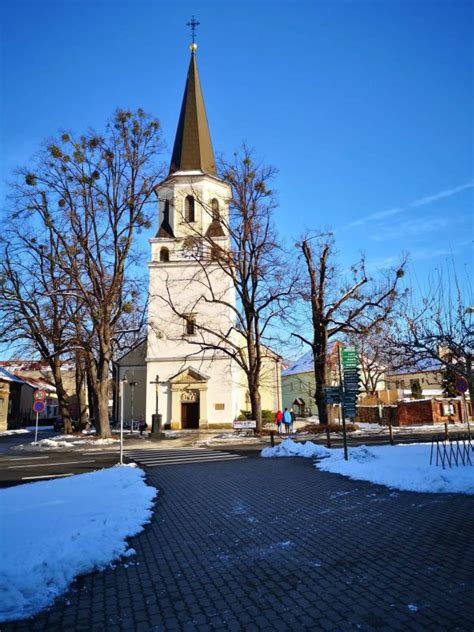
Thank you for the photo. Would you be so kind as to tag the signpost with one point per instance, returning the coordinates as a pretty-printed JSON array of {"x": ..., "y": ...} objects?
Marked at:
[
  {"x": 38, "y": 408},
  {"x": 461, "y": 387}
]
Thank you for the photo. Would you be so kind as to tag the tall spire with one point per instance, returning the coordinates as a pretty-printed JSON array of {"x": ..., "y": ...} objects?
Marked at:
[{"x": 192, "y": 149}]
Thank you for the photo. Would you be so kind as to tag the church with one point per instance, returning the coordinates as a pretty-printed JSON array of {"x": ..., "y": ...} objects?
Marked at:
[{"x": 176, "y": 372}]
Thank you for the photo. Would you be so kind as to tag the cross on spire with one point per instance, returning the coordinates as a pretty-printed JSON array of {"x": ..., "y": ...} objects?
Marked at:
[{"x": 193, "y": 24}]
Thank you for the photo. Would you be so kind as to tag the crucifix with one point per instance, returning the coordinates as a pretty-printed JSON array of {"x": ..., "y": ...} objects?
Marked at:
[
  {"x": 193, "y": 24},
  {"x": 157, "y": 382}
]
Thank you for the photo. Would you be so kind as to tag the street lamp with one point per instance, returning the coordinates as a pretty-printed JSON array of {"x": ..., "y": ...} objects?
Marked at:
[
  {"x": 132, "y": 386},
  {"x": 123, "y": 381}
]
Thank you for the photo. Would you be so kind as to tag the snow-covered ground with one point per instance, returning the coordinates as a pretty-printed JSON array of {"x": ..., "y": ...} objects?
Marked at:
[
  {"x": 8, "y": 433},
  {"x": 405, "y": 467},
  {"x": 68, "y": 442},
  {"x": 53, "y": 531},
  {"x": 230, "y": 437}
]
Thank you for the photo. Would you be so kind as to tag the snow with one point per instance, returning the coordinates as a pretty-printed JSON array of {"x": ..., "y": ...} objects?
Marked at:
[
  {"x": 8, "y": 433},
  {"x": 291, "y": 448},
  {"x": 405, "y": 467},
  {"x": 53, "y": 531},
  {"x": 68, "y": 441}
]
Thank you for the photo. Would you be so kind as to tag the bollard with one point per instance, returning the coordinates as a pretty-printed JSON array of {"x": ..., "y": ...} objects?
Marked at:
[
  {"x": 272, "y": 438},
  {"x": 391, "y": 433},
  {"x": 328, "y": 437},
  {"x": 445, "y": 430}
]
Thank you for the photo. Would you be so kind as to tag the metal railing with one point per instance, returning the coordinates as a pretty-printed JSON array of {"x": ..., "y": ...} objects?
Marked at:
[{"x": 452, "y": 450}]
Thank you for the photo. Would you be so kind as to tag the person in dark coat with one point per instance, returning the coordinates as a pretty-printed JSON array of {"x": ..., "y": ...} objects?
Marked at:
[{"x": 293, "y": 419}]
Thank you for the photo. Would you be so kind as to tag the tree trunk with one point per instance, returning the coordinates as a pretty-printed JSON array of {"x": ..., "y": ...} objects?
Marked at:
[
  {"x": 81, "y": 390},
  {"x": 102, "y": 422},
  {"x": 320, "y": 379},
  {"x": 63, "y": 399},
  {"x": 256, "y": 407}
]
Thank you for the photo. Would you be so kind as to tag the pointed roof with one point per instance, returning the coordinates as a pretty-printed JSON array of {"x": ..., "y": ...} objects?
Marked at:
[{"x": 192, "y": 146}]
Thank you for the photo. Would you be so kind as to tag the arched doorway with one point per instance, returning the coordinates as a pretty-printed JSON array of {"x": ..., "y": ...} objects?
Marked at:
[{"x": 190, "y": 409}]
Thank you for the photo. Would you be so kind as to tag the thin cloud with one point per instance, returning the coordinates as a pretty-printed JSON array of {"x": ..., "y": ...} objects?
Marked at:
[
  {"x": 411, "y": 228},
  {"x": 421, "y": 202}
]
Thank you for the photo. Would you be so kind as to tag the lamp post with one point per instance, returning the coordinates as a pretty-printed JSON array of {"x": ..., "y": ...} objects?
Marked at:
[
  {"x": 123, "y": 381},
  {"x": 132, "y": 386}
]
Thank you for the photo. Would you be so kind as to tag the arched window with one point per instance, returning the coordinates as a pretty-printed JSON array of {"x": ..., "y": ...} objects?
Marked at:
[
  {"x": 189, "y": 209},
  {"x": 164, "y": 254},
  {"x": 166, "y": 212},
  {"x": 216, "y": 216}
]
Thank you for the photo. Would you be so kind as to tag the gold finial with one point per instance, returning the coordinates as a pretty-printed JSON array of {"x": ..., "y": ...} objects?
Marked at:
[{"x": 193, "y": 48}]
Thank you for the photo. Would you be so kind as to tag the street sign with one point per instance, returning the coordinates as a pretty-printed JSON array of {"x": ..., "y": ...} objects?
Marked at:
[
  {"x": 349, "y": 357},
  {"x": 461, "y": 384},
  {"x": 244, "y": 424},
  {"x": 39, "y": 406},
  {"x": 40, "y": 395}
]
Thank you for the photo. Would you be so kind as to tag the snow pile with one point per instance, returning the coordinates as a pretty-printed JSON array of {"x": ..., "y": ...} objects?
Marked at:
[
  {"x": 230, "y": 437},
  {"x": 8, "y": 433},
  {"x": 405, "y": 467},
  {"x": 291, "y": 448},
  {"x": 67, "y": 441},
  {"x": 52, "y": 531}
]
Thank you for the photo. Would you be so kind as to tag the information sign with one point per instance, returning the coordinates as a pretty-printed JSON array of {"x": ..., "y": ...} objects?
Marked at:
[{"x": 244, "y": 424}]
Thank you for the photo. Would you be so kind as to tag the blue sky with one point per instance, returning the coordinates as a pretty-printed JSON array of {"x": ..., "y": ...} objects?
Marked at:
[{"x": 364, "y": 107}]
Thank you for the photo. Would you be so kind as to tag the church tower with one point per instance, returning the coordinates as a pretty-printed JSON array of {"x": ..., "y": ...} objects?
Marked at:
[{"x": 190, "y": 385}]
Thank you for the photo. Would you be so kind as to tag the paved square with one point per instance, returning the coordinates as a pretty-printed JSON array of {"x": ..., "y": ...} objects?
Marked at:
[{"x": 273, "y": 544}]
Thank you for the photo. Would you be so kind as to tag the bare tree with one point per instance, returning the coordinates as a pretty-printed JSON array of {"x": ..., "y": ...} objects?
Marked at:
[
  {"x": 34, "y": 312},
  {"x": 339, "y": 307},
  {"x": 377, "y": 355},
  {"x": 244, "y": 249},
  {"x": 438, "y": 324},
  {"x": 92, "y": 192}
]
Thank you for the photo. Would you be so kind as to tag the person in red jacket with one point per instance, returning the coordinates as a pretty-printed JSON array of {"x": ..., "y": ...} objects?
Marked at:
[{"x": 278, "y": 420}]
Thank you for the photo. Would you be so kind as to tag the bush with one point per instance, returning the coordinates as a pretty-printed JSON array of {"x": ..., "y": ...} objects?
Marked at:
[{"x": 267, "y": 415}]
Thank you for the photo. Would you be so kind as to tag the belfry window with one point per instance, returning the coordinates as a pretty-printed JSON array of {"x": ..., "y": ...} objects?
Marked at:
[
  {"x": 164, "y": 254},
  {"x": 189, "y": 214},
  {"x": 166, "y": 212},
  {"x": 216, "y": 216}
]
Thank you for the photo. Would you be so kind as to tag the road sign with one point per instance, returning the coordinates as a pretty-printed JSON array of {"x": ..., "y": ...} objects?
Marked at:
[
  {"x": 39, "y": 406},
  {"x": 461, "y": 384},
  {"x": 349, "y": 358},
  {"x": 40, "y": 395}
]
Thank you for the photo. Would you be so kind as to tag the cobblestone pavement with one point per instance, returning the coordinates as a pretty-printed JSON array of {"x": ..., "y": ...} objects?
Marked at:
[{"x": 273, "y": 544}]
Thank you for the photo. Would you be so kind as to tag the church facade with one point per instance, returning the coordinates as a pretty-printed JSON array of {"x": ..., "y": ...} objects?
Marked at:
[{"x": 187, "y": 378}]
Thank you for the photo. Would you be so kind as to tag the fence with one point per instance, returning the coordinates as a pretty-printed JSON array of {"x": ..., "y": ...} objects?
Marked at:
[{"x": 452, "y": 450}]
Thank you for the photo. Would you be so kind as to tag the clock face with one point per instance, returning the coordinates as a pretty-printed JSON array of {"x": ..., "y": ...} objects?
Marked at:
[{"x": 191, "y": 249}]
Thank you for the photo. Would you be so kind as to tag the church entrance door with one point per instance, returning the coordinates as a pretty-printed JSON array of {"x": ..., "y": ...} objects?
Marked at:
[{"x": 189, "y": 415}]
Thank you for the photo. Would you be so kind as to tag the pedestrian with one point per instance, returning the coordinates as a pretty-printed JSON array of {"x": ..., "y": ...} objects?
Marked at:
[
  {"x": 287, "y": 420},
  {"x": 293, "y": 419},
  {"x": 278, "y": 420},
  {"x": 142, "y": 425}
]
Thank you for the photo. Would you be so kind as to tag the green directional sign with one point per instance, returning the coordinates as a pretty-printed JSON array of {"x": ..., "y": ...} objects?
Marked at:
[{"x": 349, "y": 358}]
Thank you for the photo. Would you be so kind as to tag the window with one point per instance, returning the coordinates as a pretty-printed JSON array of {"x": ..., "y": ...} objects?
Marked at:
[
  {"x": 190, "y": 328},
  {"x": 189, "y": 209},
  {"x": 216, "y": 217},
  {"x": 166, "y": 212},
  {"x": 164, "y": 254}
]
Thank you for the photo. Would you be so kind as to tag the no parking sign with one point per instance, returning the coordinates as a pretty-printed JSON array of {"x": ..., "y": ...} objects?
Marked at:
[{"x": 38, "y": 406}]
